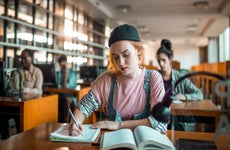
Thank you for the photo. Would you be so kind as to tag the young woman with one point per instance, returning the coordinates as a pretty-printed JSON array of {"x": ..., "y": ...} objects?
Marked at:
[
  {"x": 185, "y": 90},
  {"x": 66, "y": 78},
  {"x": 127, "y": 91}
]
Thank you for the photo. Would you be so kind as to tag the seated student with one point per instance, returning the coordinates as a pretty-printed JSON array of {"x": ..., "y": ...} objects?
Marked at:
[
  {"x": 185, "y": 90},
  {"x": 32, "y": 80},
  {"x": 127, "y": 92},
  {"x": 66, "y": 78}
]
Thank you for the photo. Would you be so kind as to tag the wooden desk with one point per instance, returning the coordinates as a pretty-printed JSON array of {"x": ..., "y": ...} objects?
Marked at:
[
  {"x": 33, "y": 111},
  {"x": 199, "y": 108},
  {"x": 79, "y": 93},
  {"x": 59, "y": 90},
  {"x": 84, "y": 84},
  {"x": 38, "y": 138}
]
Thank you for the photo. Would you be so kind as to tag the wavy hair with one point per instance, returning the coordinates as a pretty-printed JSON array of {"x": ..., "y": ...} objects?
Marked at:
[{"x": 112, "y": 68}]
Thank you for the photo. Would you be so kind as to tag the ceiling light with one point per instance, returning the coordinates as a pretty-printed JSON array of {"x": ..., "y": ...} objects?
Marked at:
[
  {"x": 143, "y": 29},
  {"x": 124, "y": 8},
  {"x": 192, "y": 27},
  {"x": 146, "y": 34},
  {"x": 201, "y": 4}
]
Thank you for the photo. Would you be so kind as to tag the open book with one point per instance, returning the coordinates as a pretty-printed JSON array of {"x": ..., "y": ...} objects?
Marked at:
[
  {"x": 142, "y": 138},
  {"x": 62, "y": 134}
]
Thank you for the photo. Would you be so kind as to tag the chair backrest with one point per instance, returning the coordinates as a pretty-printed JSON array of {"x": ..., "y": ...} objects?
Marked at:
[
  {"x": 82, "y": 92},
  {"x": 207, "y": 82}
]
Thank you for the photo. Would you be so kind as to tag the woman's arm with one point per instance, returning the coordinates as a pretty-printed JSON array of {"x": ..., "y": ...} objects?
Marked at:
[
  {"x": 112, "y": 125},
  {"x": 73, "y": 129},
  {"x": 79, "y": 116},
  {"x": 132, "y": 124},
  {"x": 191, "y": 92},
  {"x": 86, "y": 106}
]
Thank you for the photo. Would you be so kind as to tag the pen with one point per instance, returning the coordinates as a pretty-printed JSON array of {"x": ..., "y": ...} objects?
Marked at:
[{"x": 74, "y": 120}]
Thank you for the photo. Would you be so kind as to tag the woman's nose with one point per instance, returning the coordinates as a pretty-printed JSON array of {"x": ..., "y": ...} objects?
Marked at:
[
  {"x": 122, "y": 60},
  {"x": 161, "y": 64}
]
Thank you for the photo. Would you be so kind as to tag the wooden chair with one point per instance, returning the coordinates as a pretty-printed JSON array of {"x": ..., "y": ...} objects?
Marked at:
[
  {"x": 207, "y": 82},
  {"x": 93, "y": 118}
]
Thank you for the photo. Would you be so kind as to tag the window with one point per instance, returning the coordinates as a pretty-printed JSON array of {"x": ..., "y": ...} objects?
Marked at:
[{"x": 224, "y": 48}]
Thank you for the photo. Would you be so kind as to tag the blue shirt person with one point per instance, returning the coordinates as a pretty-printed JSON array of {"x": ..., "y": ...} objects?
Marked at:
[{"x": 66, "y": 78}]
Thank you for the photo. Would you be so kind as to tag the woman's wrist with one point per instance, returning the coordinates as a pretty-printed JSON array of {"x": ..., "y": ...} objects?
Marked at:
[{"x": 120, "y": 125}]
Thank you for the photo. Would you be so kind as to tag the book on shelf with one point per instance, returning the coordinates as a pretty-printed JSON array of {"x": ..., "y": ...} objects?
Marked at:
[
  {"x": 62, "y": 134},
  {"x": 142, "y": 138}
]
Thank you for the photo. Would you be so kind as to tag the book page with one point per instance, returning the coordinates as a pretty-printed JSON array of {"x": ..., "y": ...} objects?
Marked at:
[
  {"x": 62, "y": 134},
  {"x": 149, "y": 138},
  {"x": 118, "y": 139}
]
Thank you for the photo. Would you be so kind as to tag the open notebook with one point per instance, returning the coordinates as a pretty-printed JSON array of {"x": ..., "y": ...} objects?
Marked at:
[{"x": 62, "y": 134}]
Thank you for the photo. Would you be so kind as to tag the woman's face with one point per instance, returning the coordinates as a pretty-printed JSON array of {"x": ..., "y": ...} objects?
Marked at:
[
  {"x": 125, "y": 58},
  {"x": 164, "y": 61},
  {"x": 26, "y": 60},
  {"x": 63, "y": 64}
]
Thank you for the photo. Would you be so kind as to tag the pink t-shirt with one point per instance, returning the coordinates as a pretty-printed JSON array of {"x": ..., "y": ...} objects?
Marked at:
[{"x": 129, "y": 93}]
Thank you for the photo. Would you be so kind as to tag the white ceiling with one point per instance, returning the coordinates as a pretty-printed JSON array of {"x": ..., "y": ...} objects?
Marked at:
[{"x": 165, "y": 18}]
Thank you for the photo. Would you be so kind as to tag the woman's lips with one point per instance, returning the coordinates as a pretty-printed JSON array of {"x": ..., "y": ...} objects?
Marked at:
[{"x": 123, "y": 68}]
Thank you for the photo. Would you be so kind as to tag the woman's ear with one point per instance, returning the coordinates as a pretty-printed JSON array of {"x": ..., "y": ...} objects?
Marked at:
[{"x": 139, "y": 54}]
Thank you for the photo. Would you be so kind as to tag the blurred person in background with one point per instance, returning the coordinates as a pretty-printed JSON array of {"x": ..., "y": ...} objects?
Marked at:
[
  {"x": 66, "y": 78},
  {"x": 32, "y": 80},
  {"x": 185, "y": 90}
]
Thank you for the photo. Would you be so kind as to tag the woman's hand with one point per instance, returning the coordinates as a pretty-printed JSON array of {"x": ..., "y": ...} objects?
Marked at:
[
  {"x": 180, "y": 96},
  {"x": 74, "y": 131},
  {"x": 110, "y": 125}
]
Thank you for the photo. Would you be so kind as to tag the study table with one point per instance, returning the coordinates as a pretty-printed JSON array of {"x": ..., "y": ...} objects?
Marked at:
[
  {"x": 39, "y": 139},
  {"x": 199, "y": 108},
  {"x": 32, "y": 110},
  {"x": 79, "y": 93}
]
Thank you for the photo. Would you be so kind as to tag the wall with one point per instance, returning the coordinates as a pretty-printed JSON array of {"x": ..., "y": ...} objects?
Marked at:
[
  {"x": 150, "y": 53},
  {"x": 187, "y": 55}
]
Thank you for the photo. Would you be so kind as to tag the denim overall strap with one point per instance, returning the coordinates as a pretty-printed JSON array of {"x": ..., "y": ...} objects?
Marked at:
[
  {"x": 113, "y": 115},
  {"x": 145, "y": 113}
]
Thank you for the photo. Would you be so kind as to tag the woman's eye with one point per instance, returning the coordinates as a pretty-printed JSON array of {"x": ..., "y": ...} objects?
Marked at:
[
  {"x": 116, "y": 57},
  {"x": 164, "y": 60},
  {"x": 126, "y": 55}
]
